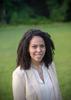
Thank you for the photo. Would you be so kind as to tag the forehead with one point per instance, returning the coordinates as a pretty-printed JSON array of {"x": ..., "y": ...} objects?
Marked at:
[{"x": 36, "y": 39}]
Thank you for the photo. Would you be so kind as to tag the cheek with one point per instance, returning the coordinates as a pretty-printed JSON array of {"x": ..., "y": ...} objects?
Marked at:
[
  {"x": 30, "y": 51},
  {"x": 44, "y": 50}
]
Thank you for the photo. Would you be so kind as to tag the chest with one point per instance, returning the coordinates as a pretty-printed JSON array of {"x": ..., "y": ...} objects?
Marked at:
[{"x": 36, "y": 89}]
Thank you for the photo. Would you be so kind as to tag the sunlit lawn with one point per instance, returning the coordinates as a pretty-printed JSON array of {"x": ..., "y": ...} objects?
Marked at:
[{"x": 9, "y": 39}]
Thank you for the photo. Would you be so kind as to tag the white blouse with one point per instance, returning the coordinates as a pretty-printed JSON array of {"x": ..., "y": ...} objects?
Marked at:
[
  {"x": 27, "y": 85},
  {"x": 46, "y": 87}
]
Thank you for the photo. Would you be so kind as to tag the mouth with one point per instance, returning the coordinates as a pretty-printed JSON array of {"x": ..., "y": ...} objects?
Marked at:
[{"x": 38, "y": 55}]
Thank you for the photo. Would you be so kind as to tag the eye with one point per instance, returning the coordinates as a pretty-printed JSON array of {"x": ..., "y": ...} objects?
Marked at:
[
  {"x": 42, "y": 46},
  {"x": 34, "y": 46}
]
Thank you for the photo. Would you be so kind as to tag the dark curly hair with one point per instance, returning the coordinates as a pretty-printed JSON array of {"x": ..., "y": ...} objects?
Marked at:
[{"x": 23, "y": 56}]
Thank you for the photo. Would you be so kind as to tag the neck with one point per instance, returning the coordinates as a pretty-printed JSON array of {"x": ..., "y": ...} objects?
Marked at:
[{"x": 36, "y": 64}]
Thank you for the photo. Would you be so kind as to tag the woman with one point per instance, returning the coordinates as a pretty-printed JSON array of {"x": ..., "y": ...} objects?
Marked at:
[{"x": 35, "y": 76}]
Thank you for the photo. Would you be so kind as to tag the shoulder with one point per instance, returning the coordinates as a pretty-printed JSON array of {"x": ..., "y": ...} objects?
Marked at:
[
  {"x": 18, "y": 72},
  {"x": 52, "y": 67}
]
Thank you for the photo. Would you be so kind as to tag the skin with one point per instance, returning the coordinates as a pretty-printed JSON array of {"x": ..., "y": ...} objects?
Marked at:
[{"x": 37, "y": 50}]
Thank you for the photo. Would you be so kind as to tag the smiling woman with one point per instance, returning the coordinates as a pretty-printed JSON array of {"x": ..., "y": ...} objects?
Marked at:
[
  {"x": 35, "y": 76},
  {"x": 37, "y": 50}
]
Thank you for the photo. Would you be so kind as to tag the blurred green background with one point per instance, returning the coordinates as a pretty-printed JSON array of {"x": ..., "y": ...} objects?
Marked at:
[{"x": 52, "y": 16}]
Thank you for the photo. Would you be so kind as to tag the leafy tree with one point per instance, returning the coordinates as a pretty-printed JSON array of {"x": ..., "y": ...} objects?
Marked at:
[
  {"x": 68, "y": 12},
  {"x": 57, "y": 10}
]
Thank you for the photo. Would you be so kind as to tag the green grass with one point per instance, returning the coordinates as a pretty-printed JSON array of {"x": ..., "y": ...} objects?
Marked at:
[{"x": 9, "y": 39}]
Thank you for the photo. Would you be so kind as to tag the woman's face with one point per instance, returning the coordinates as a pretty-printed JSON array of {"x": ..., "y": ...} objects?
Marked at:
[{"x": 37, "y": 49}]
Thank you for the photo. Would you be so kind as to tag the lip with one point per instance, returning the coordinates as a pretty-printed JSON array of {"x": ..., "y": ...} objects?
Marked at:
[{"x": 38, "y": 54}]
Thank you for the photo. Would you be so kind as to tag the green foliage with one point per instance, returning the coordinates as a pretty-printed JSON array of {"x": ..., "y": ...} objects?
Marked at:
[
  {"x": 57, "y": 14},
  {"x": 26, "y": 12},
  {"x": 22, "y": 16},
  {"x": 27, "y": 16},
  {"x": 57, "y": 11}
]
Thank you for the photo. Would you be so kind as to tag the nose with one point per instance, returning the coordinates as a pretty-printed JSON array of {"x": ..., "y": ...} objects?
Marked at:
[{"x": 38, "y": 49}]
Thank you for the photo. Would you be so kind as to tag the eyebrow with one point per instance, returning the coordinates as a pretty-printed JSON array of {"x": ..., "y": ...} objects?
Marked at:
[{"x": 37, "y": 44}]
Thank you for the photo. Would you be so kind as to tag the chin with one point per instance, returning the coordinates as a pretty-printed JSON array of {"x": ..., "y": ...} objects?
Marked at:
[{"x": 38, "y": 60}]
